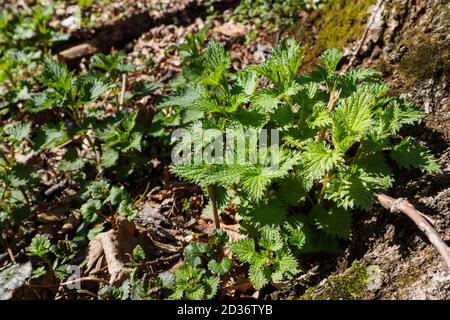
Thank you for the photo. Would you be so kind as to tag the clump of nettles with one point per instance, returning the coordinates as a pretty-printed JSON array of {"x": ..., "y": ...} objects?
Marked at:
[
  {"x": 340, "y": 143},
  {"x": 24, "y": 38}
]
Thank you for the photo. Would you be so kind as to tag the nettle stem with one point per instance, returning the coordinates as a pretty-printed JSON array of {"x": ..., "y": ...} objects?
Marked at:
[
  {"x": 334, "y": 97},
  {"x": 122, "y": 90},
  {"x": 215, "y": 212},
  {"x": 76, "y": 116},
  {"x": 93, "y": 147}
]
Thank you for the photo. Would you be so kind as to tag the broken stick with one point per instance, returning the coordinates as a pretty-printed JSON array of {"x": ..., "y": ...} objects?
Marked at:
[{"x": 402, "y": 205}]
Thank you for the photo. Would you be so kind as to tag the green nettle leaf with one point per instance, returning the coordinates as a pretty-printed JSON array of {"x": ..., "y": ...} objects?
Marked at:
[
  {"x": 244, "y": 249},
  {"x": 389, "y": 121},
  {"x": 144, "y": 88},
  {"x": 193, "y": 253},
  {"x": 247, "y": 81},
  {"x": 18, "y": 132},
  {"x": 56, "y": 76},
  {"x": 352, "y": 119},
  {"x": 109, "y": 158},
  {"x": 184, "y": 98},
  {"x": 292, "y": 190},
  {"x": 125, "y": 67},
  {"x": 113, "y": 64},
  {"x": 38, "y": 272},
  {"x": 296, "y": 235},
  {"x": 318, "y": 159},
  {"x": 50, "y": 136},
  {"x": 129, "y": 121},
  {"x": 221, "y": 268},
  {"x": 335, "y": 221},
  {"x": 410, "y": 154},
  {"x": 91, "y": 88},
  {"x": 351, "y": 192},
  {"x": 270, "y": 214},
  {"x": 265, "y": 100},
  {"x": 138, "y": 254},
  {"x": 134, "y": 142},
  {"x": 411, "y": 112},
  {"x": 255, "y": 181},
  {"x": 211, "y": 287},
  {"x": 196, "y": 293},
  {"x": 89, "y": 210},
  {"x": 117, "y": 195},
  {"x": 18, "y": 176},
  {"x": 282, "y": 65},
  {"x": 217, "y": 62},
  {"x": 319, "y": 117},
  {"x": 259, "y": 275},
  {"x": 283, "y": 115},
  {"x": 42, "y": 100},
  {"x": 208, "y": 174},
  {"x": 71, "y": 161},
  {"x": 167, "y": 280},
  {"x": 331, "y": 59},
  {"x": 40, "y": 246},
  {"x": 286, "y": 264},
  {"x": 271, "y": 238}
]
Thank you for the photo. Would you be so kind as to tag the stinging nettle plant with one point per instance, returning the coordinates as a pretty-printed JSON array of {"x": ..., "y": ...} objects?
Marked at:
[
  {"x": 340, "y": 139},
  {"x": 95, "y": 140},
  {"x": 24, "y": 37},
  {"x": 78, "y": 98}
]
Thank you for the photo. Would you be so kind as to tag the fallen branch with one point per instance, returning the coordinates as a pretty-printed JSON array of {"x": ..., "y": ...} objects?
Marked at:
[{"x": 402, "y": 205}]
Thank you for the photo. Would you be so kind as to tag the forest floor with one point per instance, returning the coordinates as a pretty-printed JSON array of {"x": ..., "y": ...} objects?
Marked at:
[{"x": 407, "y": 42}]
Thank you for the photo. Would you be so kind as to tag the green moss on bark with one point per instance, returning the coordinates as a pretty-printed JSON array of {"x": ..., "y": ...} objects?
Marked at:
[
  {"x": 338, "y": 23},
  {"x": 351, "y": 285},
  {"x": 428, "y": 58}
]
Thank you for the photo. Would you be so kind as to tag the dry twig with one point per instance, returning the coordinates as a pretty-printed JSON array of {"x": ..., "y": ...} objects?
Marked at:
[{"x": 402, "y": 205}]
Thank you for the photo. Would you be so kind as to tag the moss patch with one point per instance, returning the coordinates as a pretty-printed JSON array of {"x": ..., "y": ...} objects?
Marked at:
[
  {"x": 351, "y": 285},
  {"x": 428, "y": 58},
  {"x": 340, "y": 22}
]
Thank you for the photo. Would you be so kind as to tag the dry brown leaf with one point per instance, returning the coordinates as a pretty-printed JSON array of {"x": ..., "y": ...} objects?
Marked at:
[
  {"x": 233, "y": 285},
  {"x": 231, "y": 29},
  {"x": 151, "y": 215},
  {"x": 116, "y": 247},
  {"x": 72, "y": 222},
  {"x": 115, "y": 258},
  {"x": 53, "y": 215},
  {"x": 95, "y": 252}
]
